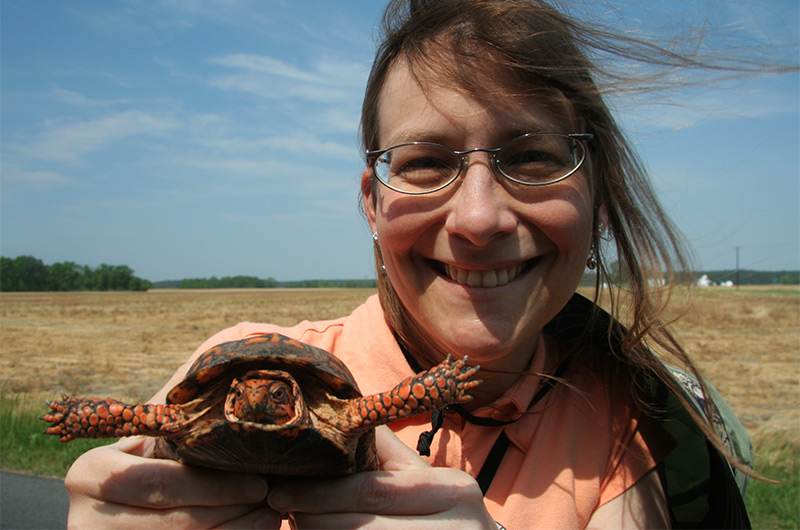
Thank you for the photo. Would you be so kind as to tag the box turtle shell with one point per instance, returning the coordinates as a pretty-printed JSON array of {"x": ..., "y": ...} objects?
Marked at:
[{"x": 267, "y": 404}]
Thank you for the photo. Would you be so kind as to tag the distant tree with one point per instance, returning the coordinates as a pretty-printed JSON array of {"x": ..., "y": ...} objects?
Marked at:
[
  {"x": 64, "y": 276},
  {"x": 87, "y": 278},
  {"x": 100, "y": 277},
  {"x": 138, "y": 284},
  {"x": 7, "y": 278},
  {"x": 227, "y": 282},
  {"x": 23, "y": 273},
  {"x": 121, "y": 277},
  {"x": 26, "y": 273}
]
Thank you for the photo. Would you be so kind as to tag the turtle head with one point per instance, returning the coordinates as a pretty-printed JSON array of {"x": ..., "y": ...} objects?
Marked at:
[{"x": 263, "y": 396}]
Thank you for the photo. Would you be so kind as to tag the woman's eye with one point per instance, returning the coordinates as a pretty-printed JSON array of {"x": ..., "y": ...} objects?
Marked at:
[
  {"x": 423, "y": 169},
  {"x": 530, "y": 157},
  {"x": 534, "y": 165},
  {"x": 423, "y": 163}
]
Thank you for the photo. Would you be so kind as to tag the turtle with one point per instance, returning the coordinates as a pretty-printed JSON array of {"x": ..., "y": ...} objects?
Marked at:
[{"x": 268, "y": 404}]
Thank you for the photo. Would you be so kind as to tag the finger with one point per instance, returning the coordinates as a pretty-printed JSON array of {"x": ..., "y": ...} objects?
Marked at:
[
  {"x": 262, "y": 517},
  {"x": 365, "y": 521},
  {"x": 393, "y": 454},
  {"x": 411, "y": 492},
  {"x": 115, "y": 474},
  {"x": 96, "y": 514}
]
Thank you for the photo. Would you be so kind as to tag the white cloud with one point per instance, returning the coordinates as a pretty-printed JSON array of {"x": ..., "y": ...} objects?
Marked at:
[
  {"x": 309, "y": 146},
  {"x": 328, "y": 81},
  {"x": 68, "y": 141},
  {"x": 266, "y": 65},
  {"x": 70, "y": 97},
  {"x": 770, "y": 25},
  {"x": 758, "y": 98},
  {"x": 76, "y": 99},
  {"x": 14, "y": 179}
]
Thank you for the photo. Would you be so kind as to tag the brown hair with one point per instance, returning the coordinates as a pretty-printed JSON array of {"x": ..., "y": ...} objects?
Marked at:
[{"x": 531, "y": 48}]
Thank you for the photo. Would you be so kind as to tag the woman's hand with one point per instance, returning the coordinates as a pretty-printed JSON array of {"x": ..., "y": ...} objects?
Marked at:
[
  {"x": 407, "y": 492},
  {"x": 120, "y": 486}
]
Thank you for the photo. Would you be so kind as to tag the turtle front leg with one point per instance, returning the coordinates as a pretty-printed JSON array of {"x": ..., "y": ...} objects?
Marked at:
[
  {"x": 73, "y": 418},
  {"x": 442, "y": 385}
]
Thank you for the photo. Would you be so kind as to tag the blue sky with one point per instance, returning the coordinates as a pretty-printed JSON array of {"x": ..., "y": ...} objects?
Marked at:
[{"x": 212, "y": 138}]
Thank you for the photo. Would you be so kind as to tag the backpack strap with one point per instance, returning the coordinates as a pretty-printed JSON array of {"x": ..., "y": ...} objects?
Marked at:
[{"x": 703, "y": 490}]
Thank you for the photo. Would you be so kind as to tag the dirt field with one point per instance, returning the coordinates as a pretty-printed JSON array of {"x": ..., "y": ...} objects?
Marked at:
[{"x": 127, "y": 345}]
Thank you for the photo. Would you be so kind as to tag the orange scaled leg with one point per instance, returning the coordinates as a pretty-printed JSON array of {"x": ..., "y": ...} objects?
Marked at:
[
  {"x": 73, "y": 418},
  {"x": 442, "y": 385}
]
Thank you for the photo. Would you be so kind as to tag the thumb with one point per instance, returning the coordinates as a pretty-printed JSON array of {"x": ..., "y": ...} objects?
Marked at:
[{"x": 393, "y": 454}]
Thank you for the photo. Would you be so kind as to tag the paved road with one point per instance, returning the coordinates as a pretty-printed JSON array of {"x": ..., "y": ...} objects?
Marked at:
[{"x": 28, "y": 502}]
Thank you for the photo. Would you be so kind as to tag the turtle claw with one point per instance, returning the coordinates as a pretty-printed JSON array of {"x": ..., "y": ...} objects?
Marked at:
[
  {"x": 458, "y": 377},
  {"x": 60, "y": 418}
]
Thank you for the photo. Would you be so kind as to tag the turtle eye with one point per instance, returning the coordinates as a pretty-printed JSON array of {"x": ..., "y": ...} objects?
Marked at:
[{"x": 279, "y": 394}]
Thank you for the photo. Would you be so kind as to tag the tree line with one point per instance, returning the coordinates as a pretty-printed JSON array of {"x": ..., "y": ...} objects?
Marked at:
[
  {"x": 238, "y": 282},
  {"x": 227, "y": 282},
  {"x": 27, "y": 273},
  {"x": 751, "y": 277}
]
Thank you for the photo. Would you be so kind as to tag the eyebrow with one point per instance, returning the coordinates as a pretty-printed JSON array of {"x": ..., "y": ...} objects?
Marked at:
[
  {"x": 446, "y": 137},
  {"x": 420, "y": 135}
]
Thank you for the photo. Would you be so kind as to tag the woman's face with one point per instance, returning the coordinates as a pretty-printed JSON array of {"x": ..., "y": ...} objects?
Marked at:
[{"x": 481, "y": 265}]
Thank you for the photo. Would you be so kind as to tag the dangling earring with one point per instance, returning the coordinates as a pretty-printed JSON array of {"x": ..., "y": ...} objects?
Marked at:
[
  {"x": 591, "y": 261},
  {"x": 382, "y": 268}
]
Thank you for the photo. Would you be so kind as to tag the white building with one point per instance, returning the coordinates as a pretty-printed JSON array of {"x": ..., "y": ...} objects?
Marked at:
[{"x": 704, "y": 281}]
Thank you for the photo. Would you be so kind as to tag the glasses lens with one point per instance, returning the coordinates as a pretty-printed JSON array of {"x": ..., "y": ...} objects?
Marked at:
[
  {"x": 538, "y": 159},
  {"x": 417, "y": 168}
]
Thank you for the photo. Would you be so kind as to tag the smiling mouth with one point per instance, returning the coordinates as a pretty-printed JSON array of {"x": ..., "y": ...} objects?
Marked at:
[{"x": 488, "y": 278}]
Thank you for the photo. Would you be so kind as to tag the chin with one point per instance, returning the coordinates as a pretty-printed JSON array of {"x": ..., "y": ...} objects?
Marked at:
[{"x": 481, "y": 342}]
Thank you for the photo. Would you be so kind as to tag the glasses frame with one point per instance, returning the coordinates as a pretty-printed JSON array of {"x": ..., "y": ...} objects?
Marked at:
[{"x": 373, "y": 156}]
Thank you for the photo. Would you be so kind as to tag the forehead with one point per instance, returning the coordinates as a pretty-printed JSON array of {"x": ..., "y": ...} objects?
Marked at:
[{"x": 419, "y": 104}]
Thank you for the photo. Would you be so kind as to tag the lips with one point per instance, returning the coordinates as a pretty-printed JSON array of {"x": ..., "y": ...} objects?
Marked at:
[{"x": 485, "y": 278}]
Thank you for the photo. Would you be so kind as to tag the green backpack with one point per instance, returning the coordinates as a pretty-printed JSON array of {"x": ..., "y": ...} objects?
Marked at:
[{"x": 703, "y": 489}]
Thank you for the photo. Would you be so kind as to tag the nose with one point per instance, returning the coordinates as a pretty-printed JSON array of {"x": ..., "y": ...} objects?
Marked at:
[{"x": 480, "y": 209}]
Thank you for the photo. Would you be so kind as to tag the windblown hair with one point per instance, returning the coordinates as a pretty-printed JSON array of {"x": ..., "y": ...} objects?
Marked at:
[{"x": 528, "y": 48}]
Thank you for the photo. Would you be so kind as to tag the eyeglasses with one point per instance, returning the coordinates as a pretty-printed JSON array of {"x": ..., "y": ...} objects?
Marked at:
[{"x": 533, "y": 159}]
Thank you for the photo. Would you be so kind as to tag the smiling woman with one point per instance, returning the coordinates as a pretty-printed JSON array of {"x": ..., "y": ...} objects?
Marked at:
[
  {"x": 494, "y": 176},
  {"x": 479, "y": 227}
]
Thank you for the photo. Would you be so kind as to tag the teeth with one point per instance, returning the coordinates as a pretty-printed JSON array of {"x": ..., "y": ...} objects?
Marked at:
[
  {"x": 502, "y": 277},
  {"x": 492, "y": 278}
]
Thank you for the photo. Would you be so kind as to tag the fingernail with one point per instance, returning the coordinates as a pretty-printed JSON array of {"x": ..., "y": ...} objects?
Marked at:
[
  {"x": 255, "y": 489},
  {"x": 279, "y": 499}
]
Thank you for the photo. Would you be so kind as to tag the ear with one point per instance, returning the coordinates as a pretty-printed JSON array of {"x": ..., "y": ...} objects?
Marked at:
[{"x": 368, "y": 198}]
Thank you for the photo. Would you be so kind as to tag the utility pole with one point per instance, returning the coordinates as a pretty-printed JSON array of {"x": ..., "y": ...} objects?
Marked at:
[{"x": 737, "y": 268}]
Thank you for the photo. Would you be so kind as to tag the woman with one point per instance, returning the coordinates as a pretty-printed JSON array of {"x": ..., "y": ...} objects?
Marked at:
[{"x": 494, "y": 175}]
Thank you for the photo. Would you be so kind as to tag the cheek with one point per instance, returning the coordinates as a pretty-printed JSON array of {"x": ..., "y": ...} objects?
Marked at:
[
  {"x": 402, "y": 221},
  {"x": 565, "y": 218}
]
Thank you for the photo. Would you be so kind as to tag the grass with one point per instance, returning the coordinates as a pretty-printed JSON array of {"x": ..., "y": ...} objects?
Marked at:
[
  {"x": 25, "y": 449},
  {"x": 777, "y": 457}
]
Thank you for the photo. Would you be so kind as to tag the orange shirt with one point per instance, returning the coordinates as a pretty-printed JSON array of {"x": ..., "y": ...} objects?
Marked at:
[{"x": 575, "y": 450}]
